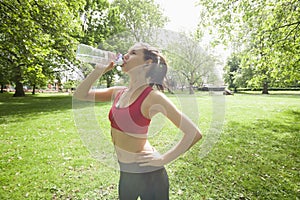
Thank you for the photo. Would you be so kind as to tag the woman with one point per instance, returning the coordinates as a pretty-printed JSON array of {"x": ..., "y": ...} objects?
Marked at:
[{"x": 142, "y": 172}]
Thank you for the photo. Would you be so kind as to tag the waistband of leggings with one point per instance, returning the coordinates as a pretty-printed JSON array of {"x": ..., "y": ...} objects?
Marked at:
[{"x": 136, "y": 168}]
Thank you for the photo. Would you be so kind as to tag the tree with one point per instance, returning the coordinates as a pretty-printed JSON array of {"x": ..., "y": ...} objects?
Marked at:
[
  {"x": 5, "y": 76},
  {"x": 38, "y": 38},
  {"x": 269, "y": 31},
  {"x": 235, "y": 75},
  {"x": 100, "y": 21},
  {"x": 191, "y": 61},
  {"x": 140, "y": 17},
  {"x": 230, "y": 70},
  {"x": 137, "y": 20},
  {"x": 37, "y": 34},
  {"x": 35, "y": 77}
]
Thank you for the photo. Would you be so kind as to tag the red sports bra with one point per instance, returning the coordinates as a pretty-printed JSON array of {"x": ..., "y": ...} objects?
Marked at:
[{"x": 130, "y": 119}]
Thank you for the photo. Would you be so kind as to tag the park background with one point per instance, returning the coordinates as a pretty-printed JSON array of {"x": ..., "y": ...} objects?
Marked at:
[{"x": 256, "y": 155}]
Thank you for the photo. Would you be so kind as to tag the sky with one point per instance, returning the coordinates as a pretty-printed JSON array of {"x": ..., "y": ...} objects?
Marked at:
[{"x": 183, "y": 14}]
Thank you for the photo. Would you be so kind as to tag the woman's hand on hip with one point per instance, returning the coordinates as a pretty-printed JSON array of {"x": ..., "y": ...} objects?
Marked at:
[{"x": 150, "y": 159}]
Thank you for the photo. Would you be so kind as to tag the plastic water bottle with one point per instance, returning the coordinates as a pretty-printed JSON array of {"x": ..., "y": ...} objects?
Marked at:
[{"x": 88, "y": 54}]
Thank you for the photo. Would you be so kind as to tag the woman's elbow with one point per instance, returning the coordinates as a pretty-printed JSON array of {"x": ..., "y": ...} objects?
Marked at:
[
  {"x": 80, "y": 97},
  {"x": 198, "y": 136},
  {"x": 77, "y": 96}
]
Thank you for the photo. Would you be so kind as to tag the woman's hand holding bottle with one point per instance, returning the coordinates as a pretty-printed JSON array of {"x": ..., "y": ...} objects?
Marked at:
[
  {"x": 101, "y": 58},
  {"x": 108, "y": 68}
]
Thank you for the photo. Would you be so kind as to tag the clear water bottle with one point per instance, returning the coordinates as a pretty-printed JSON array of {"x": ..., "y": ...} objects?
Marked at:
[{"x": 88, "y": 54}]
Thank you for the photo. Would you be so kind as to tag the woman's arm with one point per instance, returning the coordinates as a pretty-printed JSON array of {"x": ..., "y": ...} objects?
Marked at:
[
  {"x": 83, "y": 91},
  {"x": 191, "y": 133}
]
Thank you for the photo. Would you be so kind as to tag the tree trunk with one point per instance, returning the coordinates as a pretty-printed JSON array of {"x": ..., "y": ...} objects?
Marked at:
[
  {"x": 235, "y": 90},
  {"x": 33, "y": 90},
  {"x": 19, "y": 90},
  {"x": 265, "y": 88},
  {"x": 191, "y": 89},
  {"x": 108, "y": 81},
  {"x": 169, "y": 90},
  {"x": 2, "y": 88}
]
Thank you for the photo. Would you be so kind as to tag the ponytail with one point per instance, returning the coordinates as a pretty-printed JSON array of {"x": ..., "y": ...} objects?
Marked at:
[{"x": 158, "y": 68}]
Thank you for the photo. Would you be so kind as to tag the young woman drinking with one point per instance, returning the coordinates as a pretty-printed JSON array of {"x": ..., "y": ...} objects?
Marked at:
[{"x": 142, "y": 172}]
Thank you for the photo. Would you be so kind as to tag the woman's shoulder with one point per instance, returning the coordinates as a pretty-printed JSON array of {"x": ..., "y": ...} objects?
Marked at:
[
  {"x": 159, "y": 102},
  {"x": 106, "y": 94},
  {"x": 157, "y": 96}
]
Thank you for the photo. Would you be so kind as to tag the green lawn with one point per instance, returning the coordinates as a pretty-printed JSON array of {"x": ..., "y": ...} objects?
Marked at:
[{"x": 255, "y": 157}]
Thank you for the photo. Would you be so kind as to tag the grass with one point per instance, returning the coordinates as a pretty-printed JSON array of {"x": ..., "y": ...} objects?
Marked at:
[{"x": 255, "y": 157}]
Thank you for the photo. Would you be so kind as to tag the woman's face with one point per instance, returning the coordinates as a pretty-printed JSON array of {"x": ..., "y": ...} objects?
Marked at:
[{"x": 134, "y": 58}]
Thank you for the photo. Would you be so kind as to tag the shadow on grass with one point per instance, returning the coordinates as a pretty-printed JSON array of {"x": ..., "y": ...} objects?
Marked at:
[
  {"x": 296, "y": 115},
  {"x": 32, "y": 105}
]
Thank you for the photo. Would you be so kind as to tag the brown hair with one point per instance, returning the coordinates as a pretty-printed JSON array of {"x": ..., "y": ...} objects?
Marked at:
[{"x": 158, "y": 67}]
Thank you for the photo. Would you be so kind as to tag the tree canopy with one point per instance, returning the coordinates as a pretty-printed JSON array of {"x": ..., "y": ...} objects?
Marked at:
[
  {"x": 140, "y": 17},
  {"x": 39, "y": 38},
  {"x": 190, "y": 62},
  {"x": 265, "y": 31}
]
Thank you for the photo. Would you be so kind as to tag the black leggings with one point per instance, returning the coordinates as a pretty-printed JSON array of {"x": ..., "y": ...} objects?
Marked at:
[{"x": 152, "y": 185}]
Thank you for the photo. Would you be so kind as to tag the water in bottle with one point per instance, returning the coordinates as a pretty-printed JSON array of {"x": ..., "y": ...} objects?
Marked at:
[{"x": 88, "y": 54}]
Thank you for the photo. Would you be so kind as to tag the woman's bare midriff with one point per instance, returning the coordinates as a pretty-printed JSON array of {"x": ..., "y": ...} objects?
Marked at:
[{"x": 129, "y": 146}]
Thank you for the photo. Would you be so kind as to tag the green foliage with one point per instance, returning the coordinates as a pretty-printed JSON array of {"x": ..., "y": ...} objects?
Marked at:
[
  {"x": 35, "y": 76},
  {"x": 39, "y": 35},
  {"x": 70, "y": 84},
  {"x": 266, "y": 31},
  {"x": 235, "y": 75},
  {"x": 140, "y": 17},
  {"x": 38, "y": 38},
  {"x": 110, "y": 27},
  {"x": 137, "y": 20},
  {"x": 99, "y": 21}
]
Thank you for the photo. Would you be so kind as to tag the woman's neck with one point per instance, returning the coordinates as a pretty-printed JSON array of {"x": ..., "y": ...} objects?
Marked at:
[{"x": 136, "y": 82}]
